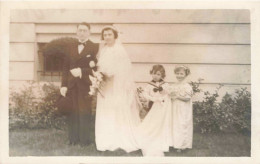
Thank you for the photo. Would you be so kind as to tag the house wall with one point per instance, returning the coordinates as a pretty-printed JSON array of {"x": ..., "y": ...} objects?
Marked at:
[{"x": 215, "y": 44}]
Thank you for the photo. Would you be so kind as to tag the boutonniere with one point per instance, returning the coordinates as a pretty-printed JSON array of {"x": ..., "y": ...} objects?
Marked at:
[
  {"x": 88, "y": 55},
  {"x": 92, "y": 64}
]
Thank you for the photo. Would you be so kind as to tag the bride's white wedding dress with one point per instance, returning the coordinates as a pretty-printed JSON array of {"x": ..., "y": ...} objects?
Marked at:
[{"x": 117, "y": 114}]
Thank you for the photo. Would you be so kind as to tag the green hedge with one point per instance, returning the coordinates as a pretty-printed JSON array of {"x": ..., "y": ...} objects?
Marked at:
[
  {"x": 231, "y": 114},
  {"x": 28, "y": 109}
]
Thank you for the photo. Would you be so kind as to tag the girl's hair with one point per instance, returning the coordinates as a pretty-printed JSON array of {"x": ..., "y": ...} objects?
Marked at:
[
  {"x": 109, "y": 28},
  {"x": 158, "y": 68},
  {"x": 185, "y": 68}
]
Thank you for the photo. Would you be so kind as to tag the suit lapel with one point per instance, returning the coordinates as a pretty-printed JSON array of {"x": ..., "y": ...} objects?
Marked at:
[
  {"x": 85, "y": 49},
  {"x": 75, "y": 54}
]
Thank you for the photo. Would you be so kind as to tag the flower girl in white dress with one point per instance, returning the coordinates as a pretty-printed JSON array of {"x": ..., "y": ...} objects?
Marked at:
[
  {"x": 182, "y": 119},
  {"x": 153, "y": 133}
]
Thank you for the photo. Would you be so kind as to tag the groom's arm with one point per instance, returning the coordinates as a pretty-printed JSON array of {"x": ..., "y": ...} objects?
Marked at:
[{"x": 86, "y": 71}]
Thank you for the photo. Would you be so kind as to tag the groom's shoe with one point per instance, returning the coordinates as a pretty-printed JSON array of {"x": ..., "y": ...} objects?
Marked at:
[
  {"x": 72, "y": 142},
  {"x": 84, "y": 144}
]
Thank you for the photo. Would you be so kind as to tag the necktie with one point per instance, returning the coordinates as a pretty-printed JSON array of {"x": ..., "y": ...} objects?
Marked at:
[
  {"x": 158, "y": 89},
  {"x": 80, "y": 43}
]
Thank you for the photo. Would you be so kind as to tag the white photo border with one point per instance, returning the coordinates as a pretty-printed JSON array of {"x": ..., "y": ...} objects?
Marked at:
[{"x": 5, "y": 9}]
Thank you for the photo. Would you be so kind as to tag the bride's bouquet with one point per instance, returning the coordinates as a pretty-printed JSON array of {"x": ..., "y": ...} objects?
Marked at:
[{"x": 96, "y": 81}]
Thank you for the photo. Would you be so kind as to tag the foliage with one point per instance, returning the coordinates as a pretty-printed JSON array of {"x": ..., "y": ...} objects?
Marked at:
[
  {"x": 231, "y": 114},
  {"x": 58, "y": 47},
  {"x": 237, "y": 111},
  {"x": 28, "y": 109}
]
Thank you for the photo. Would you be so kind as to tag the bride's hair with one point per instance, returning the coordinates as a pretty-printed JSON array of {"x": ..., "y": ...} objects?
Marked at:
[
  {"x": 106, "y": 29},
  {"x": 159, "y": 68}
]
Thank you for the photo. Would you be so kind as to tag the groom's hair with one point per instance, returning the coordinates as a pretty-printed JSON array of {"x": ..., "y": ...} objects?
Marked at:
[
  {"x": 159, "y": 68},
  {"x": 84, "y": 24},
  {"x": 106, "y": 29}
]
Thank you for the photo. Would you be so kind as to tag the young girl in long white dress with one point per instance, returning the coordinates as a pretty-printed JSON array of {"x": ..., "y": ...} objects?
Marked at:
[
  {"x": 153, "y": 132},
  {"x": 182, "y": 119}
]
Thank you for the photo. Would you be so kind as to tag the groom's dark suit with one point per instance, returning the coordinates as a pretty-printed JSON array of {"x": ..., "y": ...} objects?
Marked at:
[{"x": 78, "y": 88}]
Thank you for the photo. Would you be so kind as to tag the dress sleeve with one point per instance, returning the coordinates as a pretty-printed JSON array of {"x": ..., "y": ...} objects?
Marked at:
[
  {"x": 186, "y": 91},
  {"x": 147, "y": 93}
]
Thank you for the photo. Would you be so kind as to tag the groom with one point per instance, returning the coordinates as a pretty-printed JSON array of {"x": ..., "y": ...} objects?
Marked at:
[{"x": 76, "y": 82}]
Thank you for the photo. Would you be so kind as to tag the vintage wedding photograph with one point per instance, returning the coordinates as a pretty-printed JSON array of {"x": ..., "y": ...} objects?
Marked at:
[{"x": 130, "y": 82}]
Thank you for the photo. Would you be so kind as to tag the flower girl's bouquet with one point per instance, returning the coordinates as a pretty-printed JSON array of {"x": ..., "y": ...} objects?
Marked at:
[
  {"x": 96, "y": 81},
  {"x": 142, "y": 102}
]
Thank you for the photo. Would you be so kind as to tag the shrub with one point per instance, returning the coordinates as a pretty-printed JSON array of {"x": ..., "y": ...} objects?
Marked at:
[
  {"x": 29, "y": 110},
  {"x": 205, "y": 113},
  {"x": 231, "y": 114},
  {"x": 58, "y": 47}
]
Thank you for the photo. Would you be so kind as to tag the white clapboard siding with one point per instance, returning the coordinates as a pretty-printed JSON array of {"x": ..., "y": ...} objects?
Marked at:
[
  {"x": 21, "y": 52},
  {"x": 130, "y": 16},
  {"x": 167, "y": 33},
  {"x": 45, "y": 38},
  {"x": 21, "y": 70},
  {"x": 65, "y": 28},
  {"x": 212, "y": 88},
  {"x": 231, "y": 74},
  {"x": 185, "y": 33},
  {"x": 212, "y": 74},
  {"x": 177, "y": 53},
  {"x": 22, "y": 32}
]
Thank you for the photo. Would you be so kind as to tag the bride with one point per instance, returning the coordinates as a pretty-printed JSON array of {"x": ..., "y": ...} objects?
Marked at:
[{"x": 117, "y": 114}]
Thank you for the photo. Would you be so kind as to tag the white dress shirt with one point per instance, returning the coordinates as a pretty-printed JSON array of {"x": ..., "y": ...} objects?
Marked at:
[{"x": 81, "y": 47}]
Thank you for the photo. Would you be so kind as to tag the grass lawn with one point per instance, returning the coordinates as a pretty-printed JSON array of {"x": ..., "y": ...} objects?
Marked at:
[{"x": 52, "y": 142}]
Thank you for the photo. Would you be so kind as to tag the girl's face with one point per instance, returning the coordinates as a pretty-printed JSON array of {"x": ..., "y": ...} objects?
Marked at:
[
  {"x": 157, "y": 76},
  {"x": 109, "y": 37},
  {"x": 180, "y": 75}
]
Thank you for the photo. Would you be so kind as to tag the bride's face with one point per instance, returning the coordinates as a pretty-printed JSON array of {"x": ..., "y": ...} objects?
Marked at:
[{"x": 109, "y": 37}]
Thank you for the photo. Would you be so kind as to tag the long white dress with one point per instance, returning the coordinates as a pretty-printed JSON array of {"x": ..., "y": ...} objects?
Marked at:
[
  {"x": 153, "y": 134},
  {"x": 117, "y": 114},
  {"x": 182, "y": 119}
]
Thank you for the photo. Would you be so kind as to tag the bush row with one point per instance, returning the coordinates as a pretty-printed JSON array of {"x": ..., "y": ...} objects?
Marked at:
[{"x": 231, "y": 114}]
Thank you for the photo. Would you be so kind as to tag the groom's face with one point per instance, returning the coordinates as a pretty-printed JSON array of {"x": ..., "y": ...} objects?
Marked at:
[{"x": 83, "y": 32}]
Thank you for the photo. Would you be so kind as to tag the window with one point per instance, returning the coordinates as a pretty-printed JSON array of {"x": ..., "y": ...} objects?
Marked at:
[{"x": 49, "y": 67}]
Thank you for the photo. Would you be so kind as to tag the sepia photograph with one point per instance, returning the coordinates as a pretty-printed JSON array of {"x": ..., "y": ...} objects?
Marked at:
[{"x": 129, "y": 83}]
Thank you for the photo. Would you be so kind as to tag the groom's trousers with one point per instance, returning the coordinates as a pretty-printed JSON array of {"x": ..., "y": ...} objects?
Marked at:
[{"x": 79, "y": 120}]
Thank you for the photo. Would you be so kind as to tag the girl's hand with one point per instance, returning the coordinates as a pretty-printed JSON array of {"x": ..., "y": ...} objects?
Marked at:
[
  {"x": 174, "y": 97},
  {"x": 172, "y": 94},
  {"x": 163, "y": 92}
]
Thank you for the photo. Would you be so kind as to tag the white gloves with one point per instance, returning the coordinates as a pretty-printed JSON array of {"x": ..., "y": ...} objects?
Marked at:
[
  {"x": 76, "y": 72},
  {"x": 63, "y": 91}
]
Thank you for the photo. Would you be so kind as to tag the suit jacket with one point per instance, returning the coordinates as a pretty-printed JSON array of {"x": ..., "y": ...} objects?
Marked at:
[{"x": 74, "y": 60}]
